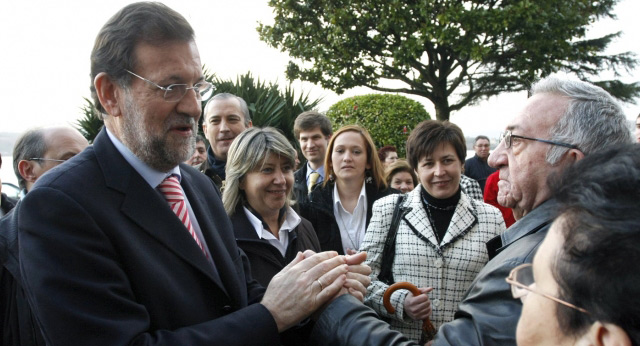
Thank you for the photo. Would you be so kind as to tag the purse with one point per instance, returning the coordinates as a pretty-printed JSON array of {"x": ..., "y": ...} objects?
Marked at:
[{"x": 389, "y": 250}]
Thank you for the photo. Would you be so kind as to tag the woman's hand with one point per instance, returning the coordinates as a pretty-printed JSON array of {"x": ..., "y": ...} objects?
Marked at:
[{"x": 418, "y": 307}]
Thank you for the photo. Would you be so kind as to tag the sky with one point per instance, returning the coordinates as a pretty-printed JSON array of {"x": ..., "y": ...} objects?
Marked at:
[{"x": 46, "y": 46}]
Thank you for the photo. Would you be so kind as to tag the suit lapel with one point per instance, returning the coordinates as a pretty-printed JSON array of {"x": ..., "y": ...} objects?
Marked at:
[
  {"x": 417, "y": 217},
  {"x": 147, "y": 208},
  {"x": 464, "y": 218}
]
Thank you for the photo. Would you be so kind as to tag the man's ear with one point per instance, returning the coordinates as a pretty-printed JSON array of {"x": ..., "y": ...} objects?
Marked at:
[
  {"x": 26, "y": 170},
  {"x": 605, "y": 334},
  {"x": 574, "y": 155},
  {"x": 108, "y": 94},
  {"x": 250, "y": 124}
]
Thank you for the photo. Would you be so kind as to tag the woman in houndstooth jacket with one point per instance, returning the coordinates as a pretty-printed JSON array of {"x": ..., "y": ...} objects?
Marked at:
[{"x": 440, "y": 242}]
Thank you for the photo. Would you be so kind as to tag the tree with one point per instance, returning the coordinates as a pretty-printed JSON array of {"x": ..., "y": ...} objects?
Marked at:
[
  {"x": 388, "y": 118},
  {"x": 91, "y": 124},
  {"x": 454, "y": 53}
]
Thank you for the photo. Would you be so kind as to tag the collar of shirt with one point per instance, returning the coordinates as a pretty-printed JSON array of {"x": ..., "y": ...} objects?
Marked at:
[
  {"x": 362, "y": 199},
  {"x": 320, "y": 171},
  {"x": 150, "y": 175},
  {"x": 291, "y": 221}
]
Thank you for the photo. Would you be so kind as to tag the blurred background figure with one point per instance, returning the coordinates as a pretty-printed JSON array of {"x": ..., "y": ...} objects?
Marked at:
[
  {"x": 257, "y": 198},
  {"x": 313, "y": 130},
  {"x": 340, "y": 208},
  {"x": 225, "y": 117},
  {"x": 199, "y": 154},
  {"x": 477, "y": 167},
  {"x": 35, "y": 153},
  {"x": 582, "y": 288},
  {"x": 440, "y": 242},
  {"x": 387, "y": 155},
  {"x": 6, "y": 203},
  {"x": 491, "y": 197},
  {"x": 400, "y": 176}
]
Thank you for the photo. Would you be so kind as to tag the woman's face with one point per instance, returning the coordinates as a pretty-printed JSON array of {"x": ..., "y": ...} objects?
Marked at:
[
  {"x": 402, "y": 181},
  {"x": 538, "y": 324},
  {"x": 349, "y": 157},
  {"x": 390, "y": 158},
  {"x": 440, "y": 172},
  {"x": 268, "y": 186}
]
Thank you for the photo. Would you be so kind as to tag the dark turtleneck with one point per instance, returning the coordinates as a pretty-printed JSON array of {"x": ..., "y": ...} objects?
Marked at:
[
  {"x": 217, "y": 166},
  {"x": 440, "y": 211}
]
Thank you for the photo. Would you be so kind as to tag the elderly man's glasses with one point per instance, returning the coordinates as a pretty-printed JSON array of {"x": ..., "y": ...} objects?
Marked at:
[
  {"x": 507, "y": 136},
  {"x": 175, "y": 92},
  {"x": 521, "y": 280}
]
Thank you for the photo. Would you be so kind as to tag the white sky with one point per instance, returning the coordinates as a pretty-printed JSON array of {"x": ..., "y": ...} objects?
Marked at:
[{"x": 46, "y": 45}]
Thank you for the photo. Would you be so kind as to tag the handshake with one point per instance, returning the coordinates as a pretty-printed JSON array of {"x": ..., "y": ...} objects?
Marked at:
[{"x": 311, "y": 282}]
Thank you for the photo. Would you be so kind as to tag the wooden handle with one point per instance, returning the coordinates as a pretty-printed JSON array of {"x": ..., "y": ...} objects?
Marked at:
[{"x": 428, "y": 330}]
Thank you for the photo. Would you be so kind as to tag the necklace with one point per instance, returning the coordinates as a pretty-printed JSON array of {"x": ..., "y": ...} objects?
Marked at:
[{"x": 356, "y": 243}]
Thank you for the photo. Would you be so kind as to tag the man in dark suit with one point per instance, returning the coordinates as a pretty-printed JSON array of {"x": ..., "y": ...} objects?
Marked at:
[
  {"x": 104, "y": 258},
  {"x": 313, "y": 131}
]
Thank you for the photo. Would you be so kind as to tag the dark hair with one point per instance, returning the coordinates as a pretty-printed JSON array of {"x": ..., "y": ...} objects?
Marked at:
[
  {"x": 397, "y": 167},
  {"x": 31, "y": 144},
  {"x": 309, "y": 120},
  {"x": 481, "y": 137},
  {"x": 200, "y": 138},
  {"x": 377, "y": 172},
  {"x": 428, "y": 135},
  {"x": 596, "y": 268},
  {"x": 114, "y": 49},
  {"x": 382, "y": 152}
]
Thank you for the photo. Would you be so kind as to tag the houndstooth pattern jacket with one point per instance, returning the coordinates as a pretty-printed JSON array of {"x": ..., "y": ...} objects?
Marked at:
[{"x": 448, "y": 267}]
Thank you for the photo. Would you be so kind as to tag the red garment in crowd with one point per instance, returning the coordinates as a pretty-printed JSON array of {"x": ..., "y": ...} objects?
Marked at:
[{"x": 491, "y": 197}]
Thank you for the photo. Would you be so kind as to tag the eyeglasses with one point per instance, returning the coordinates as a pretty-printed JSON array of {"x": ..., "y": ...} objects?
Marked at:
[
  {"x": 43, "y": 159},
  {"x": 521, "y": 280},
  {"x": 507, "y": 135},
  {"x": 175, "y": 92}
]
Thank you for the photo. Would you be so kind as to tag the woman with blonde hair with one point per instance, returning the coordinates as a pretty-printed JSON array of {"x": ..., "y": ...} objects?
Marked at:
[
  {"x": 257, "y": 198},
  {"x": 340, "y": 208}
]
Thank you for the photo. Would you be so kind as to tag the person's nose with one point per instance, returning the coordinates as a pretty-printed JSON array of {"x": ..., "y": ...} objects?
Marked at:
[
  {"x": 190, "y": 104},
  {"x": 224, "y": 126},
  {"x": 278, "y": 178},
  {"x": 498, "y": 157},
  {"x": 439, "y": 169}
]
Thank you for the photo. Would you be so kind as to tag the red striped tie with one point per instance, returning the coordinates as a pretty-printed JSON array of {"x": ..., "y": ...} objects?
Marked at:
[{"x": 172, "y": 192}]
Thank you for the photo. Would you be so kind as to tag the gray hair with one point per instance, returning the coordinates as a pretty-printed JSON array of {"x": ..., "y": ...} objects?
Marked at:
[
  {"x": 593, "y": 120},
  {"x": 31, "y": 144},
  {"x": 227, "y": 96},
  {"x": 246, "y": 154}
]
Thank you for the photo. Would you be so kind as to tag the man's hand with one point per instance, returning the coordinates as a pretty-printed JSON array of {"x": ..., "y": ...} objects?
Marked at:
[
  {"x": 418, "y": 307},
  {"x": 303, "y": 286}
]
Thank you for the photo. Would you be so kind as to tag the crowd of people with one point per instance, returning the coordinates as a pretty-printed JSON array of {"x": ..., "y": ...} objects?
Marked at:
[{"x": 148, "y": 236}]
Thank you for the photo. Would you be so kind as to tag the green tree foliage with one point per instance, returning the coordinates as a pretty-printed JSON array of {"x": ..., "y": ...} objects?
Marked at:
[
  {"x": 388, "y": 118},
  {"x": 267, "y": 104},
  {"x": 91, "y": 124},
  {"x": 454, "y": 53}
]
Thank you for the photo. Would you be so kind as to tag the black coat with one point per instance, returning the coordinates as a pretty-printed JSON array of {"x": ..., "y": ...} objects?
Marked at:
[
  {"x": 300, "y": 189},
  {"x": 106, "y": 262},
  {"x": 266, "y": 261},
  {"x": 319, "y": 211}
]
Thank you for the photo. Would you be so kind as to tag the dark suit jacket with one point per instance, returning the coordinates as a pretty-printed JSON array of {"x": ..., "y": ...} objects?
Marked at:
[
  {"x": 105, "y": 261},
  {"x": 300, "y": 189}
]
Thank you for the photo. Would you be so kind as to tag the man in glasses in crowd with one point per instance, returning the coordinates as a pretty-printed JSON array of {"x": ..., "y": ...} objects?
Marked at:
[
  {"x": 39, "y": 150},
  {"x": 35, "y": 152},
  {"x": 562, "y": 121},
  {"x": 129, "y": 245}
]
